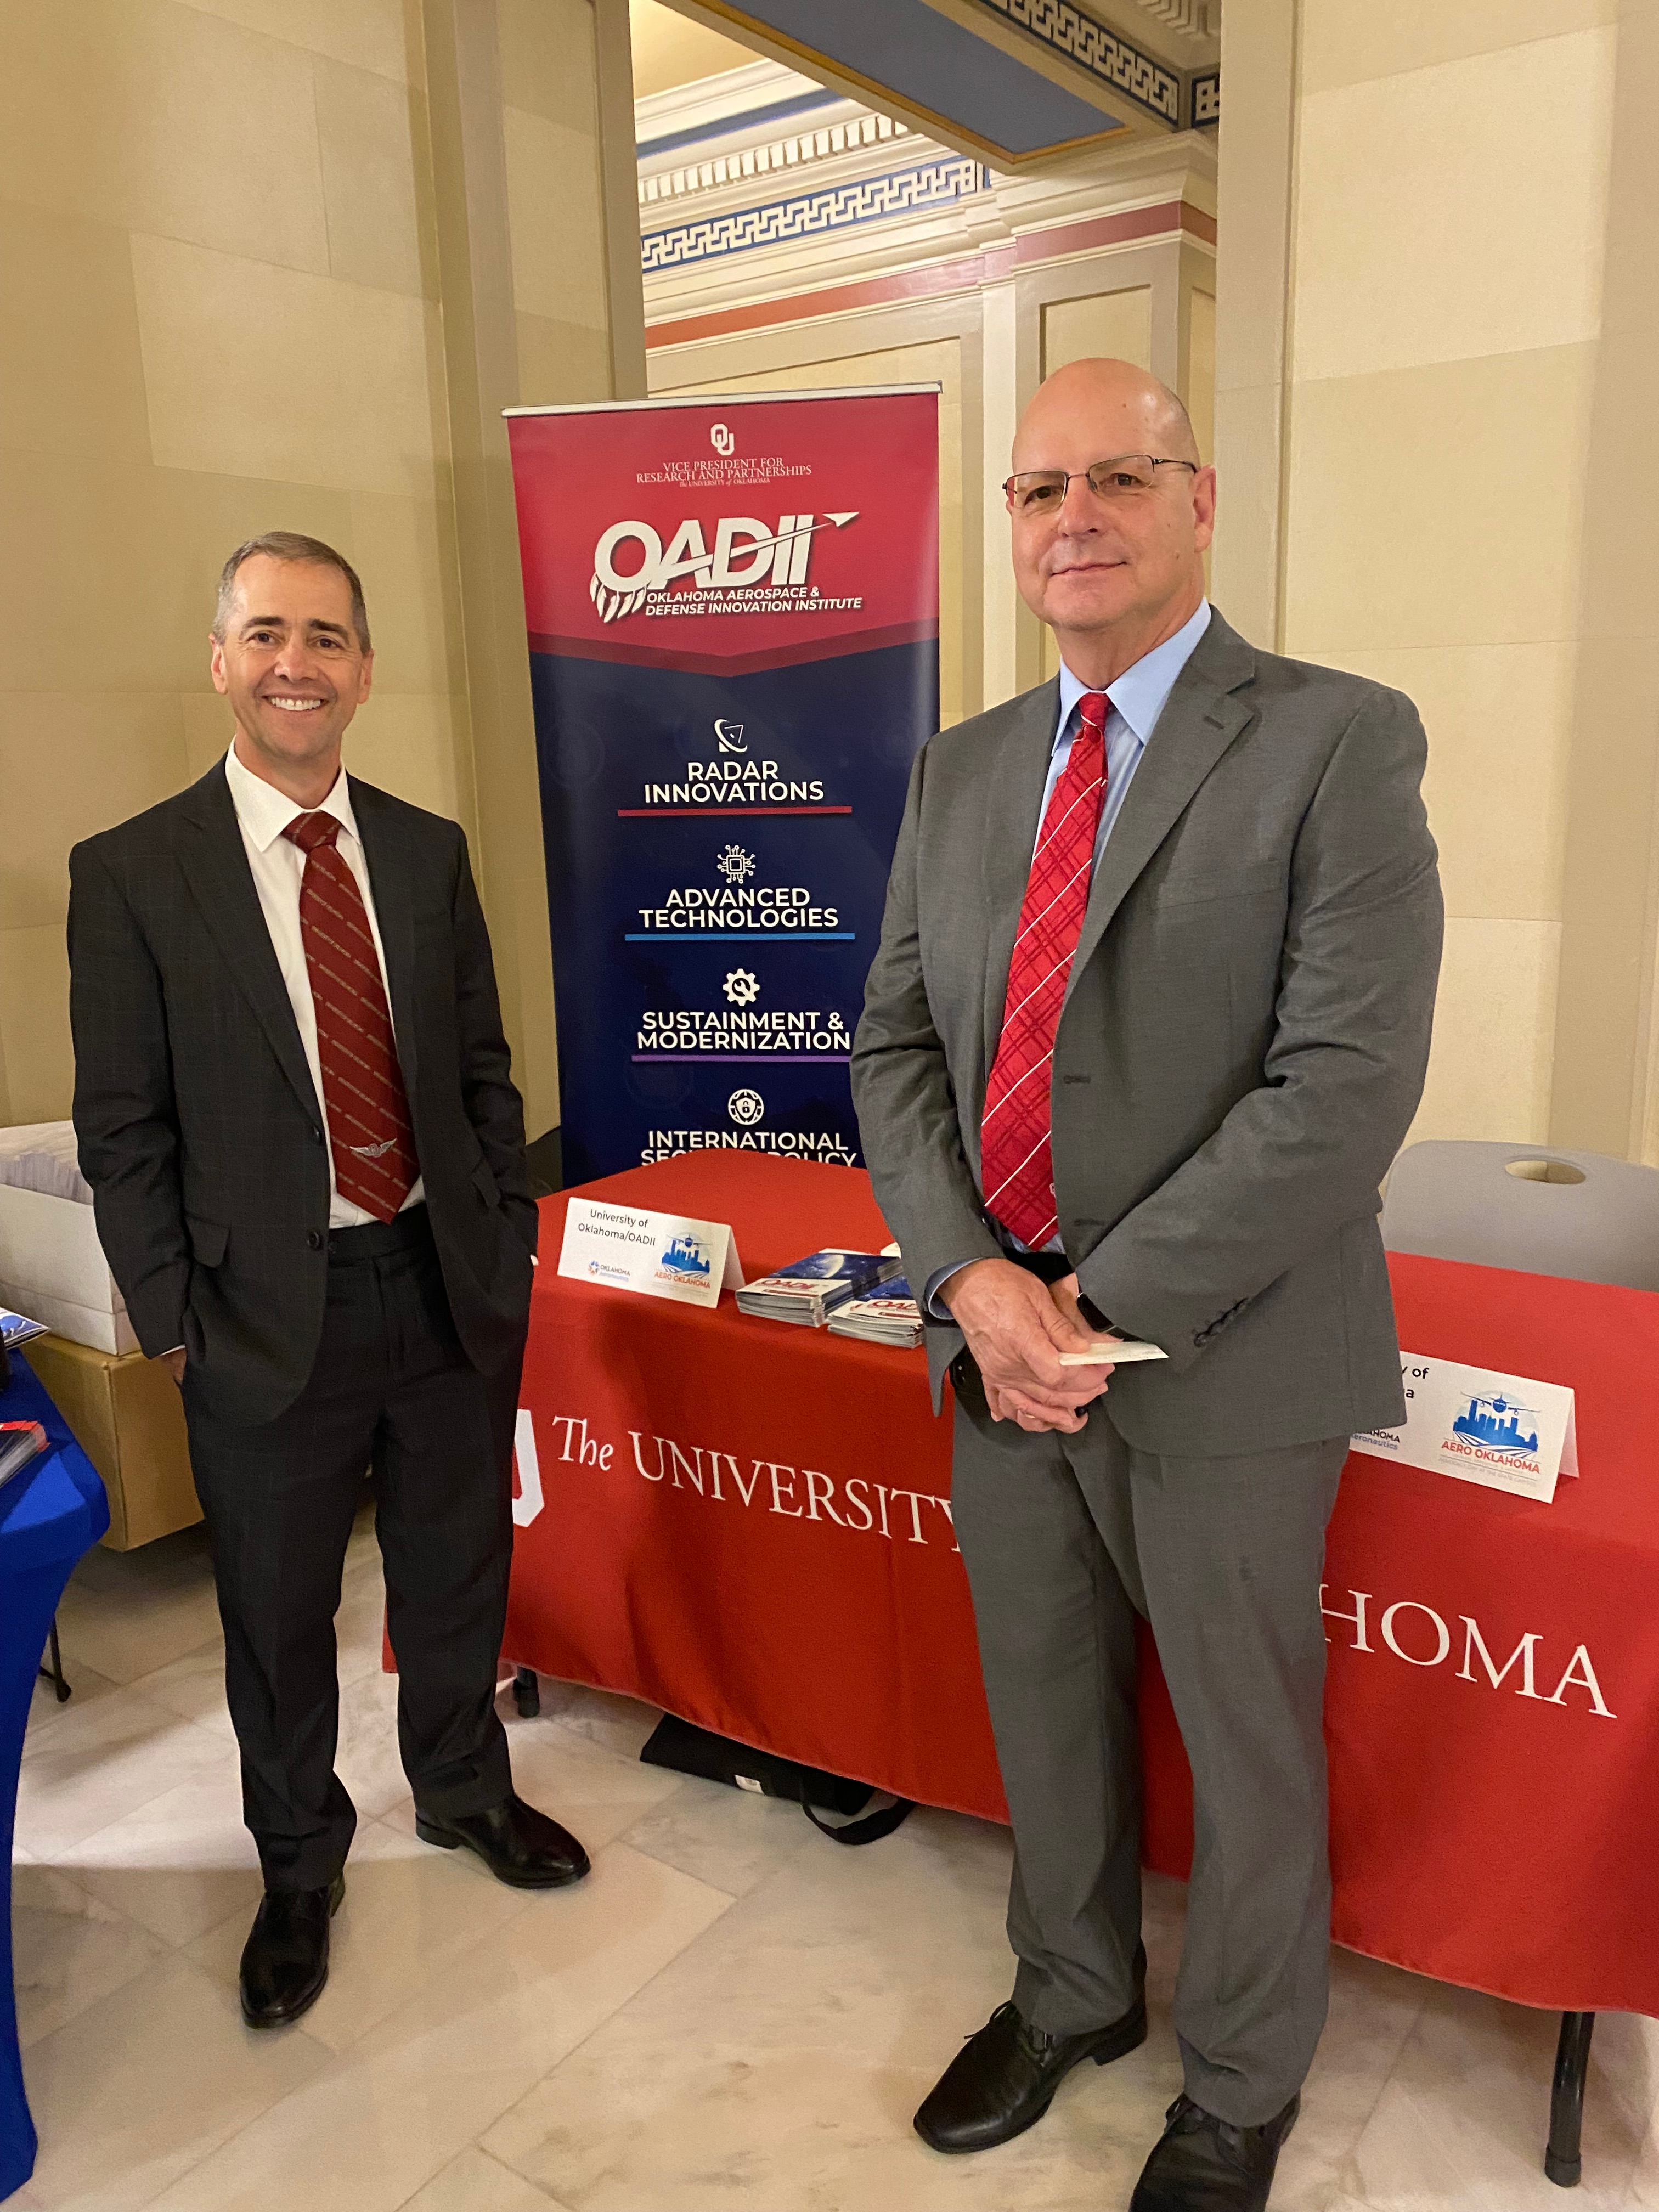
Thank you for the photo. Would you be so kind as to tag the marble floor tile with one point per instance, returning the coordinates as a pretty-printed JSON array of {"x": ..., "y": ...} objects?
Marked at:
[
  {"x": 127, "y": 1612},
  {"x": 1643, "y": 2194},
  {"x": 597, "y": 1793},
  {"x": 142, "y": 2086},
  {"x": 192, "y": 1686},
  {"x": 1373, "y": 2010},
  {"x": 381, "y": 2120},
  {"x": 69, "y": 1949},
  {"x": 361, "y": 1621},
  {"x": 101, "y": 1763},
  {"x": 475, "y": 2183},
  {"x": 181, "y": 1863},
  {"x": 1463, "y": 2118},
  {"x": 620, "y": 1724},
  {"x": 86, "y": 1684},
  {"x": 408, "y": 1911},
  {"x": 727, "y": 1838},
  {"x": 363, "y": 1543},
  {"x": 367, "y": 1757},
  {"x": 779, "y": 2060}
]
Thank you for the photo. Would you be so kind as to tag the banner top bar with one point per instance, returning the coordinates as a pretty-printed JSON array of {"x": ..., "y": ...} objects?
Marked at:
[{"x": 718, "y": 399}]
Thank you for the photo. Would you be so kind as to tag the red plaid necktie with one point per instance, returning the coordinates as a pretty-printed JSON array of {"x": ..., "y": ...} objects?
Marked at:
[
  {"x": 1016, "y": 1165},
  {"x": 369, "y": 1131}
]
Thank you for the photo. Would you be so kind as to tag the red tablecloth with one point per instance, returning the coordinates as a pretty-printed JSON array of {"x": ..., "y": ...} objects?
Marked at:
[{"x": 748, "y": 1524}]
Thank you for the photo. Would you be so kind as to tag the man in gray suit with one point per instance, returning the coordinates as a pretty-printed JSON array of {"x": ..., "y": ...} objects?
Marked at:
[{"x": 1148, "y": 1022}]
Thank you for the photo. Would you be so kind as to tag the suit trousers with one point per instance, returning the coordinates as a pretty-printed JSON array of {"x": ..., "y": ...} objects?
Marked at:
[
  {"x": 1066, "y": 1540},
  {"x": 393, "y": 1395}
]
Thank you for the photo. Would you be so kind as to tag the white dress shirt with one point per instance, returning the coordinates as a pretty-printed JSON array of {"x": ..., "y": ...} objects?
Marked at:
[
  {"x": 263, "y": 813},
  {"x": 1136, "y": 699}
]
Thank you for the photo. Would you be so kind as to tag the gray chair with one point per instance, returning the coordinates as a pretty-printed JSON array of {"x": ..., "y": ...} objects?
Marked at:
[
  {"x": 1527, "y": 1207},
  {"x": 1540, "y": 1212}
]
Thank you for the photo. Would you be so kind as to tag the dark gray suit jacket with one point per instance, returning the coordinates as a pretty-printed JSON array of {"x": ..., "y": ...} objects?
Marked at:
[
  {"x": 199, "y": 1126},
  {"x": 1243, "y": 1045}
]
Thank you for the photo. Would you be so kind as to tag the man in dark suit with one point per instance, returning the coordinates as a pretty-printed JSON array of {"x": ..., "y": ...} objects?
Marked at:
[
  {"x": 1149, "y": 1019},
  {"x": 307, "y": 1153}
]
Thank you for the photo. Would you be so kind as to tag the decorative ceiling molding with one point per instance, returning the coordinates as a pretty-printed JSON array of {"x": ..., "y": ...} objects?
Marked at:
[
  {"x": 1193, "y": 19},
  {"x": 1012, "y": 102},
  {"x": 867, "y": 218},
  {"x": 813, "y": 214},
  {"x": 794, "y": 152},
  {"x": 722, "y": 102},
  {"x": 1110, "y": 59}
]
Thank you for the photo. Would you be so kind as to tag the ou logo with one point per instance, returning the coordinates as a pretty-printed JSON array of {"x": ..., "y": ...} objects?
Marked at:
[
  {"x": 528, "y": 1502},
  {"x": 721, "y": 440}
]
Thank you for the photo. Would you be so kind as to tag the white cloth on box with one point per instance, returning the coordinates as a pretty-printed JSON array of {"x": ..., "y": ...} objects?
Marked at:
[{"x": 42, "y": 1156}]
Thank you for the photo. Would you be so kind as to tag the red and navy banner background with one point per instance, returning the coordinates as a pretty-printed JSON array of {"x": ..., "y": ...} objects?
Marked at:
[{"x": 733, "y": 615}]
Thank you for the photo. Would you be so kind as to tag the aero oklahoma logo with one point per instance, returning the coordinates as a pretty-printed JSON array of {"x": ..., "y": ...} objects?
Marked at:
[
  {"x": 683, "y": 1259},
  {"x": 1497, "y": 1429}
]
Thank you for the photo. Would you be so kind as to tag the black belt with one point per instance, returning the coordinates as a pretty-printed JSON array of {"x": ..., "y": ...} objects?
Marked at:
[
  {"x": 1049, "y": 1267},
  {"x": 408, "y": 1231}
]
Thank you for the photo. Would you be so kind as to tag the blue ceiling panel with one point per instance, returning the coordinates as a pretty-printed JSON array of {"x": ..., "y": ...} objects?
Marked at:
[{"x": 928, "y": 60}]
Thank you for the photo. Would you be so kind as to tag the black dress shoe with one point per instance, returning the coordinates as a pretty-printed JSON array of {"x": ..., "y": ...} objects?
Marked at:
[
  {"x": 1207, "y": 2165},
  {"x": 1003, "y": 2079},
  {"x": 520, "y": 1845},
  {"x": 285, "y": 1959}
]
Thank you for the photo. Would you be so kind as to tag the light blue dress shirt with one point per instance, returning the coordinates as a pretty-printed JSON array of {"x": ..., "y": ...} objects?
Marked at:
[{"x": 1137, "y": 698}]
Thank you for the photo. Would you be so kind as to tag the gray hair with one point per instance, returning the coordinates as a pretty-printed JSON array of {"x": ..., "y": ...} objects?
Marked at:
[{"x": 291, "y": 545}]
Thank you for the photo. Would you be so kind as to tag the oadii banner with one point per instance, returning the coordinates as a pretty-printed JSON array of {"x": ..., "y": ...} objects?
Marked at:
[{"x": 733, "y": 609}]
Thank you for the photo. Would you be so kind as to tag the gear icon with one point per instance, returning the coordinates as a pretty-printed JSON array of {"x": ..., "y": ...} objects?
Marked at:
[{"x": 742, "y": 989}]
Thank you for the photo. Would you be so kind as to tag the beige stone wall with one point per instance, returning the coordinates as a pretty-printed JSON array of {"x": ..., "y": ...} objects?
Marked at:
[
  {"x": 220, "y": 318},
  {"x": 236, "y": 301},
  {"x": 1433, "y": 451}
]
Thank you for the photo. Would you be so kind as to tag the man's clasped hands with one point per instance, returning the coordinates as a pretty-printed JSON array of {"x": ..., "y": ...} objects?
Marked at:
[{"x": 1017, "y": 1326}]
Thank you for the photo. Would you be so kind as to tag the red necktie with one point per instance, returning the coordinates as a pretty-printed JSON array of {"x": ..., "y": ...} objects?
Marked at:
[
  {"x": 1016, "y": 1164},
  {"x": 369, "y": 1131}
]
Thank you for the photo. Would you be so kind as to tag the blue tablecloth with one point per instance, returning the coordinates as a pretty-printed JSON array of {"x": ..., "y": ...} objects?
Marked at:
[{"x": 50, "y": 1515}]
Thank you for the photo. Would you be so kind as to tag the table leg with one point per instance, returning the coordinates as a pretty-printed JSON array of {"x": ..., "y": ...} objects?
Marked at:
[
  {"x": 54, "y": 1673},
  {"x": 527, "y": 1693},
  {"x": 1562, "y": 2162}
]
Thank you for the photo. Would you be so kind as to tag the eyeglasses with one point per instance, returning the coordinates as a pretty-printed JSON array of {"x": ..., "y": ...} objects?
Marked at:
[{"x": 1124, "y": 477}]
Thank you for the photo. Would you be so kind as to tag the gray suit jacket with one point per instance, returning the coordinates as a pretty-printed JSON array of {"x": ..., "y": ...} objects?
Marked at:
[
  {"x": 1241, "y": 1048},
  {"x": 199, "y": 1127}
]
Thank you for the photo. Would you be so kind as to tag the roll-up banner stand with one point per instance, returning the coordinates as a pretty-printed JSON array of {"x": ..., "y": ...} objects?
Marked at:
[{"x": 733, "y": 615}]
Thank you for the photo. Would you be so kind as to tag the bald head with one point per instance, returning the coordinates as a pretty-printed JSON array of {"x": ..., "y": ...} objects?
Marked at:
[
  {"x": 1106, "y": 391},
  {"x": 1113, "y": 563}
]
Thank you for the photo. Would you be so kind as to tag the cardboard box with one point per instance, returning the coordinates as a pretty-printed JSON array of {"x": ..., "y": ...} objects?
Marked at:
[
  {"x": 128, "y": 1418},
  {"x": 52, "y": 1269}
]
